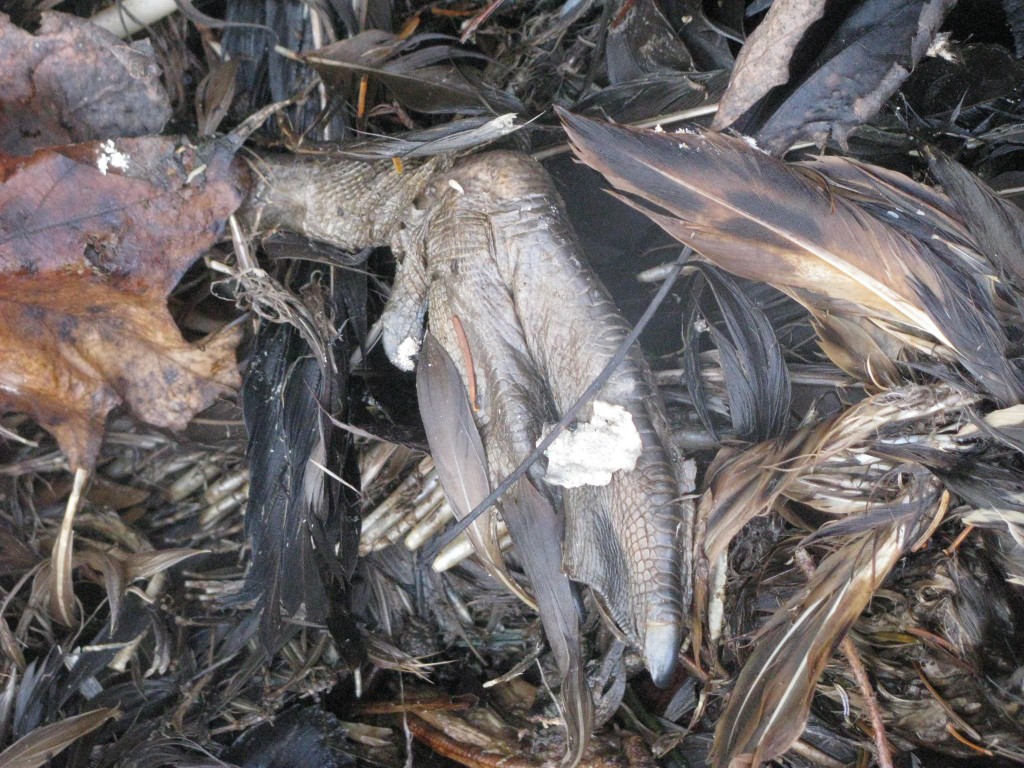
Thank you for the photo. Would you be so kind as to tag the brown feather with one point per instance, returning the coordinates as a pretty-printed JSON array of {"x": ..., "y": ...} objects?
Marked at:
[
  {"x": 850, "y": 247},
  {"x": 771, "y": 700},
  {"x": 841, "y": 468}
]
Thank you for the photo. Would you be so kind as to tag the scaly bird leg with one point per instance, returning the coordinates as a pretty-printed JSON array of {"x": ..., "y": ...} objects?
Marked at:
[
  {"x": 488, "y": 241},
  {"x": 499, "y": 255}
]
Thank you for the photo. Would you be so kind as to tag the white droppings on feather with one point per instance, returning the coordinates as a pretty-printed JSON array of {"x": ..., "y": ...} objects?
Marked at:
[
  {"x": 752, "y": 143},
  {"x": 504, "y": 122},
  {"x": 405, "y": 356},
  {"x": 591, "y": 451},
  {"x": 111, "y": 157},
  {"x": 941, "y": 47}
]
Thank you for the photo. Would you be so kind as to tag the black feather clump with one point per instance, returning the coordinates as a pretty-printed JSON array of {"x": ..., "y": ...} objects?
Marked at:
[
  {"x": 756, "y": 376},
  {"x": 302, "y": 519},
  {"x": 301, "y": 736}
]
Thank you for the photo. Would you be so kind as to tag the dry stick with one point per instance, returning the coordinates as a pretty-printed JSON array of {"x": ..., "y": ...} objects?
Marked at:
[
  {"x": 877, "y": 726},
  {"x": 860, "y": 674},
  {"x": 960, "y": 539},
  {"x": 570, "y": 415}
]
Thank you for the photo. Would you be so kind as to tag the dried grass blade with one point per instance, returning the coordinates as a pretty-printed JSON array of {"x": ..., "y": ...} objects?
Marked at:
[{"x": 62, "y": 594}]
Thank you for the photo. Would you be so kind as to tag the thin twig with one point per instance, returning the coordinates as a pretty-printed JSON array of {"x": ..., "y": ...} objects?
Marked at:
[
  {"x": 870, "y": 701},
  {"x": 959, "y": 540}
]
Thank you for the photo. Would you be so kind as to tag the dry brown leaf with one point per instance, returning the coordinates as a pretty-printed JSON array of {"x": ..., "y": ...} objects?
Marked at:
[
  {"x": 764, "y": 60},
  {"x": 73, "y": 81},
  {"x": 92, "y": 239}
]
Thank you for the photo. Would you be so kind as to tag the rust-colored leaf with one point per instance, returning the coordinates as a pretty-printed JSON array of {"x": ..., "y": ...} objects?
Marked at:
[
  {"x": 92, "y": 239},
  {"x": 73, "y": 81}
]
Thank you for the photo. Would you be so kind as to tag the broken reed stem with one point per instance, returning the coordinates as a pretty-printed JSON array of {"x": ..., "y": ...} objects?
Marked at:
[{"x": 860, "y": 674}]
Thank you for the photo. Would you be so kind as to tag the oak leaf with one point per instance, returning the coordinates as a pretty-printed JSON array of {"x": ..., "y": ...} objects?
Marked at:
[
  {"x": 92, "y": 239},
  {"x": 73, "y": 81}
]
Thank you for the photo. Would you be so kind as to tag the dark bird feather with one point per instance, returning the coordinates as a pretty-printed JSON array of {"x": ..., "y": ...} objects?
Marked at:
[
  {"x": 997, "y": 225},
  {"x": 301, "y": 523},
  {"x": 836, "y": 250},
  {"x": 755, "y": 372},
  {"x": 458, "y": 453}
]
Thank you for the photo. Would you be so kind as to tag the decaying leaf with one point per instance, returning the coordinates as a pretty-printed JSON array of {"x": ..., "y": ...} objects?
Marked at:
[
  {"x": 764, "y": 60},
  {"x": 73, "y": 81},
  {"x": 852, "y": 72},
  {"x": 92, "y": 239}
]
